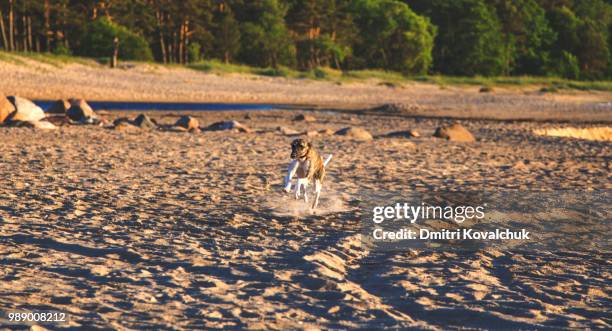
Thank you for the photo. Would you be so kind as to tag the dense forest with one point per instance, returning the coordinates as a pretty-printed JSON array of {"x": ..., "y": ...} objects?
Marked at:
[{"x": 565, "y": 38}]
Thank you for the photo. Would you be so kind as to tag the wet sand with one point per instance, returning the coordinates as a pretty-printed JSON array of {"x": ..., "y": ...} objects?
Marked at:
[{"x": 161, "y": 230}]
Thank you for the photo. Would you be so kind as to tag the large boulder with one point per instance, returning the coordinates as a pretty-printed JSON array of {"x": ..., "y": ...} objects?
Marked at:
[
  {"x": 228, "y": 125},
  {"x": 455, "y": 132},
  {"x": 59, "y": 107},
  {"x": 188, "y": 122},
  {"x": 6, "y": 108},
  {"x": 145, "y": 122},
  {"x": 25, "y": 110},
  {"x": 355, "y": 133},
  {"x": 81, "y": 112}
]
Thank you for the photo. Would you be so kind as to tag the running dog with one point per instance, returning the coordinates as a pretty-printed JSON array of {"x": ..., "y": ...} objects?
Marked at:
[{"x": 309, "y": 167}]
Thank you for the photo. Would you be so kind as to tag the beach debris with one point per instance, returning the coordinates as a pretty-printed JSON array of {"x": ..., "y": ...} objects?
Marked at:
[
  {"x": 228, "y": 125},
  {"x": 355, "y": 133},
  {"x": 81, "y": 112},
  {"x": 6, "y": 108},
  {"x": 145, "y": 122},
  {"x": 455, "y": 132},
  {"x": 59, "y": 107},
  {"x": 188, "y": 123},
  {"x": 403, "y": 134},
  {"x": 25, "y": 110},
  {"x": 305, "y": 118}
]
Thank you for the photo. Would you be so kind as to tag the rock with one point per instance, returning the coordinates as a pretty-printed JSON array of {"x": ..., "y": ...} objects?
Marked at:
[
  {"x": 81, "y": 112},
  {"x": 288, "y": 131},
  {"x": 6, "y": 108},
  {"x": 42, "y": 125},
  {"x": 126, "y": 127},
  {"x": 59, "y": 107},
  {"x": 25, "y": 110},
  {"x": 58, "y": 120},
  {"x": 187, "y": 122},
  {"x": 389, "y": 108},
  {"x": 355, "y": 133},
  {"x": 175, "y": 128},
  {"x": 311, "y": 133},
  {"x": 455, "y": 132},
  {"x": 403, "y": 134},
  {"x": 121, "y": 120},
  {"x": 485, "y": 89},
  {"x": 228, "y": 125},
  {"x": 145, "y": 122},
  {"x": 305, "y": 118},
  {"x": 328, "y": 132}
]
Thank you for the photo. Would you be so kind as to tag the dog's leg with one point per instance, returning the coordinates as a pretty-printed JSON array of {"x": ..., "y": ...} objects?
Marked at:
[
  {"x": 293, "y": 166},
  {"x": 305, "y": 184},
  {"x": 298, "y": 186},
  {"x": 318, "y": 185},
  {"x": 302, "y": 183}
]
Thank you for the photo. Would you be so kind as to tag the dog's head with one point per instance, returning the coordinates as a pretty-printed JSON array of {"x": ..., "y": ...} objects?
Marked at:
[{"x": 300, "y": 148}]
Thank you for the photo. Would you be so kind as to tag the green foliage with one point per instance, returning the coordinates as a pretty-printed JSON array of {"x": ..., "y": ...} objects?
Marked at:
[
  {"x": 469, "y": 38},
  {"x": 323, "y": 32},
  {"x": 61, "y": 49},
  {"x": 562, "y": 38},
  {"x": 527, "y": 36},
  {"x": 567, "y": 66},
  {"x": 227, "y": 34},
  {"x": 266, "y": 40},
  {"x": 392, "y": 37},
  {"x": 593, "y": 50},
  {"x": 194, "y": 52},
  {"x": 97, "y": 41}
]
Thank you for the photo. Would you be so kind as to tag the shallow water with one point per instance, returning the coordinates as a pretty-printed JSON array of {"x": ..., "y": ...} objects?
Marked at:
[{"x": 167, "y": 106}]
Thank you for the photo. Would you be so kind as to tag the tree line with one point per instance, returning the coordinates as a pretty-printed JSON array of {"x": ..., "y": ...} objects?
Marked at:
[{"x": 566, "y": 38}]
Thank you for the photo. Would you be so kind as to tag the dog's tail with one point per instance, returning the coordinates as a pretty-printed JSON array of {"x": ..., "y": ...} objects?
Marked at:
[{"x": 327, "y": 160}]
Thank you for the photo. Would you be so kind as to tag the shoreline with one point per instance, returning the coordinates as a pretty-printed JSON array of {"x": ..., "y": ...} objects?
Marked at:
[{"x": 142, "y": 82}]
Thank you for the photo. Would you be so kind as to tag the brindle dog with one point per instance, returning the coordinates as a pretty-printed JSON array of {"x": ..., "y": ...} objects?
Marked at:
[{"x": 309, "y": 167}]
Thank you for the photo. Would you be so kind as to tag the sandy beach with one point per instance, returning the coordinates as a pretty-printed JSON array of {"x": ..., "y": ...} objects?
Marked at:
[{"x": 168, "y": 230}]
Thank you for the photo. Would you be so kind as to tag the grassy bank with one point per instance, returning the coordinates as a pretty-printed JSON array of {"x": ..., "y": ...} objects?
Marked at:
[
  {"x": 389, "y": 78},
  {"x": 381, "y": 77}
]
